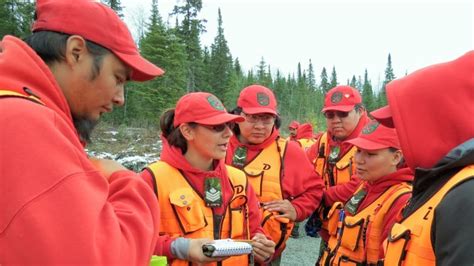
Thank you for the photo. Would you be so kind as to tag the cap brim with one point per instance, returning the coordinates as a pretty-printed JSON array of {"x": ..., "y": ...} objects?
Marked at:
[
  {"x": 258, "y": 110},
  {"x": 342, "y": 108},
  {"x": 384, "y": 116},
  {"x": 142, "y": 69},
  {"x": 221, "y": 119},
  {"x": 366, "y": 144}
]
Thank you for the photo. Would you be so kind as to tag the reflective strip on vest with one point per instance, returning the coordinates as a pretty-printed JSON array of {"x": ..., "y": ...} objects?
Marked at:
[
  {"x": 184, "y": 212},
  {"x": 409, "y": 242}
]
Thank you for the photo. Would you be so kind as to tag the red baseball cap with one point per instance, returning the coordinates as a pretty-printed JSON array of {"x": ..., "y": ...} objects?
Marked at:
[
  {"x": 294, "y": 124},
  {"x": 97, "y": 23},
  {"x": 341, "y": 98},
  {"x": 202, "y": 108},
  {"x": 384, "y": 116},
  {"x": 257, "y": 99},
  {"x": 375, "y": 136}
]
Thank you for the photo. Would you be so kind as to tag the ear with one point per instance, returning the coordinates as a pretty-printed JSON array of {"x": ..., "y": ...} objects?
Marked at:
[
  {"x": 76, "y": 49},
  {"x": 397, "y": 157},
  {"x": 187, "y": 131}
]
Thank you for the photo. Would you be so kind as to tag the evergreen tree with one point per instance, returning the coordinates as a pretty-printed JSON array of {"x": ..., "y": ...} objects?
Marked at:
[
  {"x": 333, "y": 82},
  {"x": 311, "y": 77},
  {"x": 325, "y": 86},
  {"x": 221, "y": 61},
  {"x": 353, "y": 83},
  {"x": 189, "y": 31},
  {"x": 116, "y": 6},
  {"x": 368, "y": 94},
  {"x": 16, "y": 17},
  {"x": 389, "y": 76}
]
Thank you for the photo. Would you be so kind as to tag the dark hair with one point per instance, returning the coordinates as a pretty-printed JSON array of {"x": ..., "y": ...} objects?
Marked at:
[
  {"x": 51, "y": 47},
  {"x": 359, "y": 107},
  {"x": 172, "y": 134},
  {"x": 237, "y": 110}
]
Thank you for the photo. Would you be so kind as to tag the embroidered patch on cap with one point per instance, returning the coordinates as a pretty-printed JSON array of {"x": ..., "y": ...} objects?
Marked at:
[
  {"x": 370, "y": 127},
  {"x": 215, "y": 103},
  {"x": 263, "y": 99},
  {"x": 336, "y": 97}
]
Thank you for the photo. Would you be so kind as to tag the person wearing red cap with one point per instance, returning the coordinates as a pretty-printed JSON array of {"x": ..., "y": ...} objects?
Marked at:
[
  {"x": 57, "y": 208},
  {"x": 278, "y": 169},
  {"x": 199, "y": 196},
  {"x": 292, "y": 127},
  {"x": 432, "y": 110},
  {"x": 360, "y": 218},
  {"x": 305, "y": 136},
  {"x": 331, "y": 155}
]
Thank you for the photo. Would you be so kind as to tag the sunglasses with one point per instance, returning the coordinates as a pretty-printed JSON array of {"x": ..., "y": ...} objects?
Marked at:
[
  {"x": 332, "y": 114},
  {"x": 219, "y": 128}
]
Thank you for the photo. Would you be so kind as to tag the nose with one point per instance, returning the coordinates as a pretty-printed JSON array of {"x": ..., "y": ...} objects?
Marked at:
[
  {"x": 228, "y": 132},
  {"x": 119, "y": 97},
  {"x": 358, "y": 158}
]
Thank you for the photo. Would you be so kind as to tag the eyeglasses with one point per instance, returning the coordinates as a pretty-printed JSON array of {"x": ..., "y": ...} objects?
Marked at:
[
  {"x": 266, "y": 119},
  {"x": 219, "y": 128},
  {"x": 332, "y": 114}
]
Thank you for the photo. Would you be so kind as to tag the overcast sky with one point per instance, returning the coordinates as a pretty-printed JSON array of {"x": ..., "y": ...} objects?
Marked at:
[{"x": 350, "y": 35}]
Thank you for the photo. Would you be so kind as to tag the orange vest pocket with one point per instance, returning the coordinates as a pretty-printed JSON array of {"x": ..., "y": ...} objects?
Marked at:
[
  {"x": 396, "y": 244},
  {"x": 187, "y": 210},
  {"x": 333, "y": 218},
  {"x": 352, "y": 232}
]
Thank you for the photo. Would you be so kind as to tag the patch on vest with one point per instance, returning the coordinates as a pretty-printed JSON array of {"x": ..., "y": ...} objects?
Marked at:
[
  {"x": 353, "y": 203},
  {"x": 240, "y": 157},
  {"x": 213, "y": 192}
]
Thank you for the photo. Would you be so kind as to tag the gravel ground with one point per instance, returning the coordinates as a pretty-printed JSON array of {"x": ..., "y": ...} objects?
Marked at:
[{"x": 302, "y": 251}]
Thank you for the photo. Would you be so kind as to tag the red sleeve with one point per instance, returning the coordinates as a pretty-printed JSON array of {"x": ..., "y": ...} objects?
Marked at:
[
  {"x": 393, "y": 216},
  {"x": 57, "y": 208},
  {"x": 149, "y": 179},
  {"x": 300, "y": 182},
  {"x": 341, "y": 192},
  {"x": 312, "y": 151}
]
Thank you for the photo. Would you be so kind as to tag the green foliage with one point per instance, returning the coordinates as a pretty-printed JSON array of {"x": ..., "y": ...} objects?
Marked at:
[
  {"x": 115, "y": 5},
  {"x": 16, "y": 17},
  {"x": 191, "y": 67}
]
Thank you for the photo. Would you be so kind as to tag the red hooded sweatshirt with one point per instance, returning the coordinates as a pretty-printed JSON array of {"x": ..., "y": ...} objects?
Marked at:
[
  {"x": 56, "y": 208},
  {"x": 345, "y": 191},
  {"x": 173, "y": 156},
  {"x": 433, "y": 113},
  {"x": 304, "y": 131},
  {"x": 301, "y": 185}
]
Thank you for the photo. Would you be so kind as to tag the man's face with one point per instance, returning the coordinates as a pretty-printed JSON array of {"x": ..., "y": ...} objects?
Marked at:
[
  {"x": 292, "y": 131},
  {"x": 90, "y": 97},
  {"x": 341, "y": 124}
]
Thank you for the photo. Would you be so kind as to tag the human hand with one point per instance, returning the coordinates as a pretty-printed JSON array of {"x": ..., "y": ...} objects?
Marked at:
[
  {"x": 195, "y": 253},
  {"x": 106, "y": 167},
  {"x": 284, "y": 207},
  {"x": 263, "y": 248}
]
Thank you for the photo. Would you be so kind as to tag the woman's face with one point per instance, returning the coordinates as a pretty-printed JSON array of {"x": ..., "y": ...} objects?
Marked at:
[
  {"x": 371, "y": 165},
  {"x": 209, "y": 142},
  {"x": 256, "y": 128}
]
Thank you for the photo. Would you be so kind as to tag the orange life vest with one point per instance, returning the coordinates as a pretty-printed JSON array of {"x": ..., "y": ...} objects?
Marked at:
[
  {"x": 306, "y": 143},
  {"x": 185, "y": 214},
  {"x": 358, "y": 240},
  {"x": 341, "y": 172},
  {"x": 409, "y": 242},
  {"x": 264, "y": 173}
]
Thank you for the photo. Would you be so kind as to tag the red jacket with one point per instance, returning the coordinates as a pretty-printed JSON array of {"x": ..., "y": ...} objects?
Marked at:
[
  {"x": 56, "y": 208},
  {"x": 300, "y": 183},
  {"x": 196, "y": 177},
  {"x": 345, "y": 191}
]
